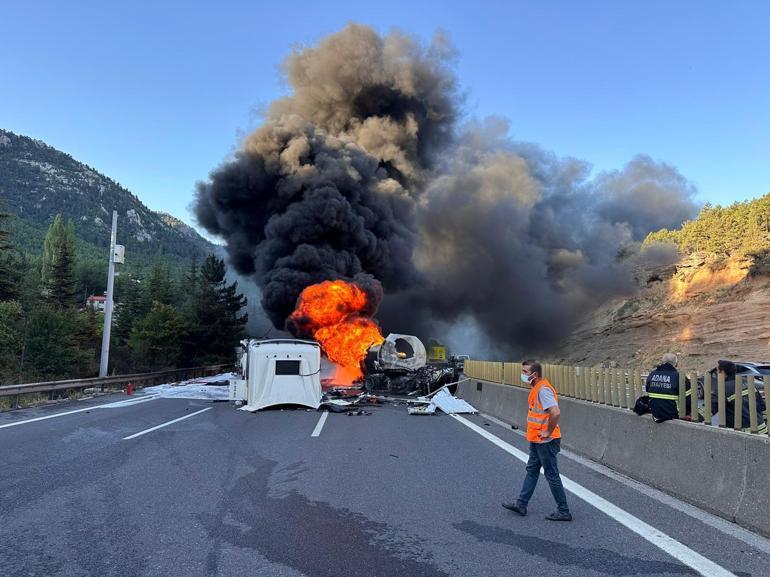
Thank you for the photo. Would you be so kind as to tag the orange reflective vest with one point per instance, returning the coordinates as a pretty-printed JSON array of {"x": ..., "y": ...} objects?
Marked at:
[{"x": 537, "y": 418}]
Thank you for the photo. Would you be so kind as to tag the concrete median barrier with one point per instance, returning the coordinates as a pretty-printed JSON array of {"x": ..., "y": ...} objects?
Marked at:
[{"x": 718, "y": 470}]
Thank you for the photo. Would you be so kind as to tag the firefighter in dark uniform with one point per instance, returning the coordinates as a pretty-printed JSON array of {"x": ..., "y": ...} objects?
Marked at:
[{"x": 663, "y": 389}]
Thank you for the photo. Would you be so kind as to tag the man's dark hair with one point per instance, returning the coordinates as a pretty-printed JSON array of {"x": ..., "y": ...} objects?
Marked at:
[
  {"x": 535, "y": 367},
  {"x": 728, "y": 367}
]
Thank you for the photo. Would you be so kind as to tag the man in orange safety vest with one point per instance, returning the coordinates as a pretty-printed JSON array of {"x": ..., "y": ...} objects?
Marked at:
[{"x": 544, "y": 438}]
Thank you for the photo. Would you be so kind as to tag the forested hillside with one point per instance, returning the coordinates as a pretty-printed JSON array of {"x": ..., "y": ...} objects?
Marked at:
[
  {"x": 173, "y": 303},
  {"x": 37, "y": 182},
  {"x": 712, "y": 303}
]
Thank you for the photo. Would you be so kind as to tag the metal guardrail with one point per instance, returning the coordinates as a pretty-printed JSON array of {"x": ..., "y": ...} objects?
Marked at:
[
  {"x": 158, "y": 377},
  {"x": 620, "y": 387}
]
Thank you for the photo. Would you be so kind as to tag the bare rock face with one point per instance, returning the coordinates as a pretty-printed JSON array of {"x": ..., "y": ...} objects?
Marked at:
[{"x": 704, "y": 309}]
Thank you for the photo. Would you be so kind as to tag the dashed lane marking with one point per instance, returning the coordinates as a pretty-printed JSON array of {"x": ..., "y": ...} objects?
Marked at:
[
  {"x": 320, "y": 425},
  {"x": 64, "y": 414},
  {"x": 166, "y": 424}
]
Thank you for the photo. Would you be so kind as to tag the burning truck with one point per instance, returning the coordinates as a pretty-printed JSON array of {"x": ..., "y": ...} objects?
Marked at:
[
  {"x": 398, "y": 365},
  {"x": 339, "y": 315}
]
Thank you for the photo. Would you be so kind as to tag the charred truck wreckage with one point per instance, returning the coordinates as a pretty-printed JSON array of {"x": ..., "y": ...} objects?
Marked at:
[
  {"x": 277, "y": 372},
  {"x": 399, "y": 366}
]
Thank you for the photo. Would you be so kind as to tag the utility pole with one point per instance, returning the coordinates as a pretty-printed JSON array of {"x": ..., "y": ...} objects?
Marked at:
[{"x": 116, "y": 255}]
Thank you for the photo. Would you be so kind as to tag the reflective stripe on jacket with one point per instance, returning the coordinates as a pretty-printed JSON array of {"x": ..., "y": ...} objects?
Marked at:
[{"x": 537, "y": 418}]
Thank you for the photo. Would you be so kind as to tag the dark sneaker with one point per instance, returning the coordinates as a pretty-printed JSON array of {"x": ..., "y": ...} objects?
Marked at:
[
  {"x": 516, "y": 508},
  {"x": 559, "y": 516}
]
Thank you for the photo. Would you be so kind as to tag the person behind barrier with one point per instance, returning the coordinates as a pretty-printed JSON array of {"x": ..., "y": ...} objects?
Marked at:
[
  {"x": 544, "y": 438},
  {"x": 728, "y": 369},
  {"x": 663, "y": 389}
]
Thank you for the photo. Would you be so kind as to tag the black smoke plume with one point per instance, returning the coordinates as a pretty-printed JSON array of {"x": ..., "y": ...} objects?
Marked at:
[{"x": 365, "y": 169}]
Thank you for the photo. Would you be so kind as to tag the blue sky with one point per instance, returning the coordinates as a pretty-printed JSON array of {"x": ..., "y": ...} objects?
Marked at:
[{"x": 156, "y": 94}]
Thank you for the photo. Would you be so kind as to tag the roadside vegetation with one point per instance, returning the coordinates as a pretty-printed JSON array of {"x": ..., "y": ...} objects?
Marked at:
[
  {"x": 166, "y": 316},
  {"x": 741, "y": 229}
]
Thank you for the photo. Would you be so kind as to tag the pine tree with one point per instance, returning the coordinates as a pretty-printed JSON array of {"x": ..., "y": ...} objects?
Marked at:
[
  {"x": 55, "y": 347},
  {"x": 134, "y": 304},
  {"x": 11, "y": 340},
  {"x": 157, "y": 339},
  {"x": 217, "y": 324},
  {"x": 160, "y": 285},
  {"x": 57, "y": 272},
  {"x": 189, "y": 284},
  {"x": 9, "y": 264}
]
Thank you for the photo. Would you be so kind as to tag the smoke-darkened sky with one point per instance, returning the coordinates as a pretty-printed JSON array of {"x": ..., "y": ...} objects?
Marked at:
[
  {"x": 366, "y": 167},
  {"x": 155, "y": 94}
]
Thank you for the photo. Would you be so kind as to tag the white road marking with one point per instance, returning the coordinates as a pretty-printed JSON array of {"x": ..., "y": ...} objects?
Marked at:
[
  {"x": 151, "y": 429},
  {"x": 661, "y": 540},
  {"x": 718, "y": 523},
  {"x": 320, "y": 425},
  {"x": 129, "y": 402},
  {"x": 107, "y": 406}
]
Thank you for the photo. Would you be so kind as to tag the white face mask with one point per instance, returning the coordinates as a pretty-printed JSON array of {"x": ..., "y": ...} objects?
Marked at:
[{"x": 524, "y": 379}]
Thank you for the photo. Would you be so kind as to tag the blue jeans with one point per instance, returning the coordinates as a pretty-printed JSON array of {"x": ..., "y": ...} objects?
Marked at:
[{"x": 544, "y": 454}]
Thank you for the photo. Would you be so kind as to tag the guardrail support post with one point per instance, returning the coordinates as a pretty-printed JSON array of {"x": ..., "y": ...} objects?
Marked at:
[
  {"x": 738, "y": 403},
  {"x": 707, "y": 397},
  {"x": 694, "y": 397},
  {"x": 721, "y": 401},
  {"x": 753, "y": 421}
]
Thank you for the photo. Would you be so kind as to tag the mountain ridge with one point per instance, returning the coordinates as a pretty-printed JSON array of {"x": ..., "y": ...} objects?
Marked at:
[{"x": 37, "y": 181}]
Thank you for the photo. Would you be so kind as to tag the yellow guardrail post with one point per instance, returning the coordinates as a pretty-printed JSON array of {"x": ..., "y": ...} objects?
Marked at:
[
  {"x": 694, "y": 397},
  {"x": 721, "y": 401},
  {"x": 623, "y": 389},
  {"x": 605, "y": 385},
  {"x": 597, "y": 375},
  {"x": 753, "y": 422},
  {"x": 707, "y": 397},
  {"x": 738, "y": 403},
  {"x": 636, "y": 379},
  {"x": 681, "y": 407},
  {"x": 611, "y": 378},
  {"x": 564, "y": 380}
]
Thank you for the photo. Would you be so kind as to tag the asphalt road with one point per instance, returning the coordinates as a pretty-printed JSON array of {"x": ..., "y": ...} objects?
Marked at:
[{"x": 225, "y": 492}]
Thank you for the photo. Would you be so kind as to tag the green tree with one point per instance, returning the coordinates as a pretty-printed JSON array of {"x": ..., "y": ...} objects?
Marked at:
[
  {"x": 9, "y": 263},
  {"x": 216, "y": 314},
  {"x": 11, "y": 340},
  {"x": 90, "y": 278},
  {"x": 133, "y": 304},
  {"x": 160, "y": 285},
  {"x": 157, "y": 339},
  {"x": 59, "y": 343},
  {"x": 57, "y": 272}
]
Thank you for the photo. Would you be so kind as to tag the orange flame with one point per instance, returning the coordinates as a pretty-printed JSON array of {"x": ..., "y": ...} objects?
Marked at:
[{"x": 332, "y": 313}]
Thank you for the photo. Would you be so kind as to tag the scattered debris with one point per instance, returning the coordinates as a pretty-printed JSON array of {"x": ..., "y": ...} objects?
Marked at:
[
  {"x": 200, "y": 389},
  {"x": 429, "y": 409},
  {"x": 450, "y": 404},
  {"x": 401, "y": 382}
]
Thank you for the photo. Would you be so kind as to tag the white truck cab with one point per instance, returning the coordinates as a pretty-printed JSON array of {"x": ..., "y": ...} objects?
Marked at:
[{"x": 278, "y": 372}]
